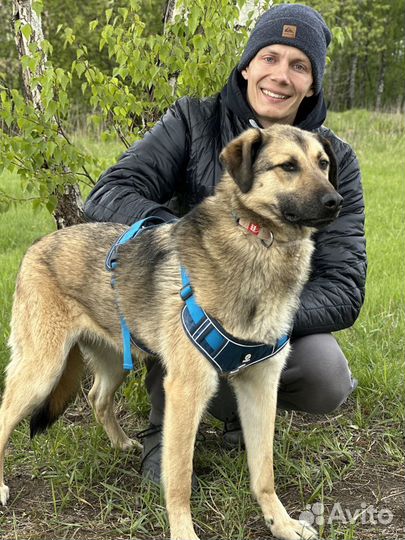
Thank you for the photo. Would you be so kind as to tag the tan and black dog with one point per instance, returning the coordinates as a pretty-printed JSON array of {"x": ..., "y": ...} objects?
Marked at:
[{"x": 282, "y": 180}]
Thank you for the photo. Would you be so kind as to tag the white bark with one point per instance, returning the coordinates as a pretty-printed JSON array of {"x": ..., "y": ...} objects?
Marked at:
[
  {"x": 258, "y": 7},
  {"x": 172, "y": 9},
  {"x": 23, "y": 11},
  {"x": 352, "y": 85},
  {"x": 381, "y": 81}
]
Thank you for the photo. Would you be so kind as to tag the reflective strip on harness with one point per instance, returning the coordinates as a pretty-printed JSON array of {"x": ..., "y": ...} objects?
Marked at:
[{"x": 226, "y": 353}]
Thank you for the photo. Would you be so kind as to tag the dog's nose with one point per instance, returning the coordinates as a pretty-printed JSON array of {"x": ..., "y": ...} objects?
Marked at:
[{"x": 332, "y": 201}]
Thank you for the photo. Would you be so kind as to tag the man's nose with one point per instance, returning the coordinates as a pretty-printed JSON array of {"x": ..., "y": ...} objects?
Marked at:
[{"x": 279, "y": 72}]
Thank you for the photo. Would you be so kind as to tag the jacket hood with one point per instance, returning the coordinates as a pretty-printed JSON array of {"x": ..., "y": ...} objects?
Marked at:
[{"x": 310, "y": 116}]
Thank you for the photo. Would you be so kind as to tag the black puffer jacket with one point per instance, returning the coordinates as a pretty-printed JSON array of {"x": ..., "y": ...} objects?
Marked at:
[{"x": 176, "y": 165}]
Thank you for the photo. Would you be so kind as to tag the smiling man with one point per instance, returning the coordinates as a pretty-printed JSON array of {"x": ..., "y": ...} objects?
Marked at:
[{"x": 278, "y": 80}]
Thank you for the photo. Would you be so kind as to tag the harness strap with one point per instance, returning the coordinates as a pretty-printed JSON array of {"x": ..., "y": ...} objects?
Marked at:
[
  {"x": 214, "y": 338},
  {"x": 111, "y": 264},
  {"x": 134, "y": 230}
]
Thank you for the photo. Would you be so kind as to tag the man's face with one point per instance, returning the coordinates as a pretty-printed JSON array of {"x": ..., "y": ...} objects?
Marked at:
[{"x": 278, "y": 78}]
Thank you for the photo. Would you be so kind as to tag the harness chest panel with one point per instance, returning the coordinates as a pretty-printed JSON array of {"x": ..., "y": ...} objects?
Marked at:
[{"x": 226, "y": 353}]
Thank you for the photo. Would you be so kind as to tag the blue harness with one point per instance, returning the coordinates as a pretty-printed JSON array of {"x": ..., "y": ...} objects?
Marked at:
[
  {"x": 111, "y": 264},
  {"x": 227, "y": 354}
]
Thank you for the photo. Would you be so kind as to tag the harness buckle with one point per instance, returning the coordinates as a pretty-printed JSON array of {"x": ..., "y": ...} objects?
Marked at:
[{"x": 186, "y": 292}]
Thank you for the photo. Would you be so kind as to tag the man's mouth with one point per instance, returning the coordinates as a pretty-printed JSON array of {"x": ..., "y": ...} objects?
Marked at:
[{"x": 273, "y": 95}]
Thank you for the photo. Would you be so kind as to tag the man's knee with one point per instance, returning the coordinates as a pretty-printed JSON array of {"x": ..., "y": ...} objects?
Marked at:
[
  {"x": 317, "y": 378},
  {"x": 328, "y": 389}
]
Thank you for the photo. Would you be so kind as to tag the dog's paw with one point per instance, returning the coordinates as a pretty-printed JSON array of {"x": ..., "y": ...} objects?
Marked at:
[
  {"x": 4, "y": 494},
  {"x": 292, "y": 529},
  {"x": 126, "y": 444}
]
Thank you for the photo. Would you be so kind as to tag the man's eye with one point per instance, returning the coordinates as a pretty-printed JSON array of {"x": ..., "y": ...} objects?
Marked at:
[
  {"x": 324, "y": 164},
  {"x": 289, "y": 166},
  {"x": 269, "y": 59}
]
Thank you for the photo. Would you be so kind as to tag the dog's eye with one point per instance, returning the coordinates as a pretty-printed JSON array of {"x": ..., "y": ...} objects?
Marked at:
[
  {"x": 289, "y": 166},
  {"x": 324, "y": 164}
]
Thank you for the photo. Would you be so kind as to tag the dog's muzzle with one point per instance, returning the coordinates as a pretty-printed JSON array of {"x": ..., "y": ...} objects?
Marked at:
[{"x": 313, "y": 212}]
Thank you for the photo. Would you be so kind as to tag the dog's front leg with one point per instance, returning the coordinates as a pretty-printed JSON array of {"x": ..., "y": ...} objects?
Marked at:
[
  {"x": 256, "y": 390},
  {"x": 189, "y": 384}
]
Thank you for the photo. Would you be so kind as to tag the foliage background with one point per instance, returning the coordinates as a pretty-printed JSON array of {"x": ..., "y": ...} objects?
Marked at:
[
  {"x": 374, "y": 30},
  {"x": 112, "y": 68}
]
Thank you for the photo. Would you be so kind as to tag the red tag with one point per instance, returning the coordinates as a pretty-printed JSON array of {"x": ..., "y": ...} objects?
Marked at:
[{"x": 254, "y": 229}]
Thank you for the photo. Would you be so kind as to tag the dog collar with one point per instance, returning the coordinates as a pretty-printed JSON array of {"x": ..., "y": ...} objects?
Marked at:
[{"x": 265, "y": 235}]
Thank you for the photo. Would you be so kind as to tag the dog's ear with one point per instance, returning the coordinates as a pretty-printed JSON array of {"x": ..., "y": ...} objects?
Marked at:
[
  {"x": 239, "y": 156},
  {"x": 333, "y": 168}
]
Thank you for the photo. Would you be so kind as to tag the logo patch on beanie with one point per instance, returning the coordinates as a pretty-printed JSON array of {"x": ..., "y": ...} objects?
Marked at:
[{"x": 289, "y": 31}]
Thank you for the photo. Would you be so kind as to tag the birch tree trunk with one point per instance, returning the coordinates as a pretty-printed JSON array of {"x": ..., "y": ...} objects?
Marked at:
[
  {"x": 69, "y": 209},
  {"x": 352, "y": 85},
  {"x": 381, "y": 77},
  {"x": 23, "y": 12},
  {"x": 334, "y": 94},
  {"x": 362, "y": 84},
  {"x": 257, "y": 6},
  {"x": 172, "y": 10}
]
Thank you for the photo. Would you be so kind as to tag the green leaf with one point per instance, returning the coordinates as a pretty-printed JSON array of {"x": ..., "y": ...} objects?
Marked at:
[
  {"x": 123, "y": 12},
  {"x": 51, "y": 204},
  {"x": 80, "y": 67},
  {"x": 26, "y": 31},
  {"x": 93, "y": 25},
  {"x": 108, "y": 14},
  {"x": 38, "y": 7}
]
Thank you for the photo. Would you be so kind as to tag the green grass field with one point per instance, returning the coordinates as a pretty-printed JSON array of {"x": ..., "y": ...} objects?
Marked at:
[{"x": 70, "y": 484}]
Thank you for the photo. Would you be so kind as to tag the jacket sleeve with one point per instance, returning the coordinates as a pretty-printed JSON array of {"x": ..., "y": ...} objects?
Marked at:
[
  {"x": 332, "y": 298},
  {"x": 146, "y": 176}
]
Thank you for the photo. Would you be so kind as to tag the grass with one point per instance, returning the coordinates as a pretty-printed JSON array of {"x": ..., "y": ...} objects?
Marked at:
[{"x": 71, "y": 484}]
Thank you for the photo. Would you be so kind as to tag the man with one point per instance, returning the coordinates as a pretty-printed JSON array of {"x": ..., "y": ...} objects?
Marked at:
[{"x": 278, "y": 80}]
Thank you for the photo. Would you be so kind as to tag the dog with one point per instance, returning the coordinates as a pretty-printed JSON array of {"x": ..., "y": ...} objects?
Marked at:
[{"x": 247, "y": 250}]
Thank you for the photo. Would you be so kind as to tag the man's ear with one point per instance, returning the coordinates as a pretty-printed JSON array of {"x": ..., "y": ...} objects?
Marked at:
[
  {"x": 239, "y": 156},
  {"x": 333, "y": 167},
  {"x": 310, "y": 92}
]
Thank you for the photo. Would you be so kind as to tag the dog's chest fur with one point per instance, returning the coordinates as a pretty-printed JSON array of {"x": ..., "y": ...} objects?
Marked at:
[{"x": 252, "y": 290}]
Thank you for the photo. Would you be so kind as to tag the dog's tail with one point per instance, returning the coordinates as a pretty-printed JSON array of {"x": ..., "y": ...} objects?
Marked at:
[{"x": 62, "y": 394}]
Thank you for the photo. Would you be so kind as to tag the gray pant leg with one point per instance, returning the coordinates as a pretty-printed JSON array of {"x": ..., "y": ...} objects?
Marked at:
[
  {"x": 154, "y": 386},
  {"x": 316, "y": 379}
]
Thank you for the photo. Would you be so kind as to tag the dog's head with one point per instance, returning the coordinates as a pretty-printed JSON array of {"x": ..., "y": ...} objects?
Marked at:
[{"x": 285, "y": 173}]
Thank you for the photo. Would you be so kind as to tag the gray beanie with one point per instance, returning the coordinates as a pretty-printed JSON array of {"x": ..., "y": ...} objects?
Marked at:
[{"x": 295, "y": 25}]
